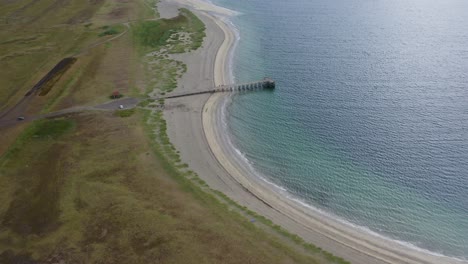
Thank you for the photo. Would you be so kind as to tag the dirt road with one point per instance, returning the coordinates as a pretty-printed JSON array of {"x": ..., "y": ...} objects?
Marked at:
[{"x": 127, "y": 103}]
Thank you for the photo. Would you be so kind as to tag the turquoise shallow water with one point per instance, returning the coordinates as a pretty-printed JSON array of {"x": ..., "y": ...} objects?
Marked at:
[{"x": 369, "y": 120}]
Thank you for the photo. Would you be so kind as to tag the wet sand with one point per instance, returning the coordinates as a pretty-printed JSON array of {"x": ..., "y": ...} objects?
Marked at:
[{"x": 195, "y": 128}]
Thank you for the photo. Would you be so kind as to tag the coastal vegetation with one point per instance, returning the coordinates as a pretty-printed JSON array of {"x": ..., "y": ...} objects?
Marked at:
[
  {"x": 109, "y": 30},
  {"x": 108, "y": 186},
  {"x": 156, "y": 39},
  {"x": 125, "y": 113},
  {"x": 179, "y": 34}
]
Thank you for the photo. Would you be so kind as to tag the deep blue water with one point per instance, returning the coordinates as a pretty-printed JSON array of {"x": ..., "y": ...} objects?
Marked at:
[{"x": 369, "y": 120}]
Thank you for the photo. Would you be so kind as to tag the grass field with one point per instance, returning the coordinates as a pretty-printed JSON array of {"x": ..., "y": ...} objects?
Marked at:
[
  {"x": 37, "y": 34},
  {"x": 91, "y": 189},
  {"x": 109, "y": 187}
]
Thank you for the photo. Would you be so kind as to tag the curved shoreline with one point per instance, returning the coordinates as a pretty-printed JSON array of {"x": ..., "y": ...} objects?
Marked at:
[
  {"x": 195, "y": 128},
  {"x": 378, "y": 249}
]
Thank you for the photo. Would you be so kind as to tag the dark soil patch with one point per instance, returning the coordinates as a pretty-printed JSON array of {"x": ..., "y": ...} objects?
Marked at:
[{"x": 52, "y": 77}]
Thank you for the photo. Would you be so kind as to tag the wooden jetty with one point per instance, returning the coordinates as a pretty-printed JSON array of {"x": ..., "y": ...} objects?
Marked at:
[{"x": 265, "y": 84}]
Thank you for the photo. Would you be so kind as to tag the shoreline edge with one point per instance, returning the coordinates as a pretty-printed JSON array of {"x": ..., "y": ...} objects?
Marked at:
[{"x": 314, "y": 227}]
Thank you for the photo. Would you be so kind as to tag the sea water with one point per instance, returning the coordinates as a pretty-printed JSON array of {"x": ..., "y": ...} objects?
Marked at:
[{"x": 369, "y": 119}]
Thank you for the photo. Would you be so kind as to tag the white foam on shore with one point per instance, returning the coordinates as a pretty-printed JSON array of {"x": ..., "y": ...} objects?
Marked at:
[
  {"x": 365, "y": 229},
  {"x": 243, "y": 161},
  {"x": 207, "y": 6}
]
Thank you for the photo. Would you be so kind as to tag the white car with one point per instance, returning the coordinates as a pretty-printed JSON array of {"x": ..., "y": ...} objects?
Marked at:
[{"x": 121, "y": 107}]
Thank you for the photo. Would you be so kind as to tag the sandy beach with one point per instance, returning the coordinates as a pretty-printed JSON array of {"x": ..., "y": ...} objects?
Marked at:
[{"x": 195, "y": 128}]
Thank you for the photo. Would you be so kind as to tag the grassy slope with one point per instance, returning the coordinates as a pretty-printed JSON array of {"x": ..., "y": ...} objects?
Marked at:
[
  {"x": 99, "y": 194},
  {"x": 109, "y": 187}
]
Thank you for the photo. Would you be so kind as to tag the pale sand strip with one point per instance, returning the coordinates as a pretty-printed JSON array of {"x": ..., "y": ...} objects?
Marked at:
[{"x": 204, "y": 148}]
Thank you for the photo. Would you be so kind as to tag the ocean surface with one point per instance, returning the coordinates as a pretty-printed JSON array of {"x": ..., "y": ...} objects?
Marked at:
[{"x": 369, "y": 120}]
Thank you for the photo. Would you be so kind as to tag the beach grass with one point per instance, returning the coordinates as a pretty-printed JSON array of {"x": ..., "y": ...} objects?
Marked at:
[
  {"x": 153, "y": 35},
  {"x": 158, "y": 38}
]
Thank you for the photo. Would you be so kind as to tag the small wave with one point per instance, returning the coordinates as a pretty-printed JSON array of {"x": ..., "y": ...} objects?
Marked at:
[
  {"x": 233, "y": 50},
  {"x": 230, "y": 58},
  {"x": 365, "y": 229}
]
